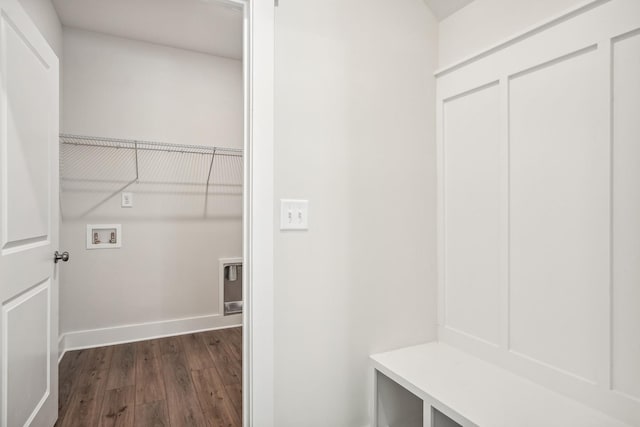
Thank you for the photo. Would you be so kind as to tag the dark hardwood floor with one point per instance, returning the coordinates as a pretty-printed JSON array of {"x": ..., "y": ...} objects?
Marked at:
[{"x": 183, "y": 381}]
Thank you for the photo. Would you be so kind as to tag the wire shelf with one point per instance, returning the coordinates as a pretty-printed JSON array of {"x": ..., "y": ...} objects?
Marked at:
[
  {"x": 88, "y": 159},
  {"x": 97, "y": 142},
  {"x": 179, "y": 180}
]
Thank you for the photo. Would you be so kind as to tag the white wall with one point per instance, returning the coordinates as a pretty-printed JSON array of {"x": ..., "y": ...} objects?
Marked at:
[
  {"x": 128, "y": 89},
  {"x": 168, "y": 265},
  {"x": 540, "y": 198},
  {"x": 355, "y": 135},
  {"x": 484, "y": 23},
  {"x": 43, "y": 14}
]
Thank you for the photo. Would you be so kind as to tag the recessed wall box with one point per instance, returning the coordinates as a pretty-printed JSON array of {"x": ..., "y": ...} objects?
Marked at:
[{"x": 104, "y": 236}]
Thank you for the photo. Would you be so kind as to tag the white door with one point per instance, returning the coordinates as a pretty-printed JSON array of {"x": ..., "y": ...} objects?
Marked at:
[{"x": 28, "y": 222}]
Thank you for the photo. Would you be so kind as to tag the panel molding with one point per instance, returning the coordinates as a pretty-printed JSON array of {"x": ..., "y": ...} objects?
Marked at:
[
  {"x": 532, "y": 348},
  {"x": 612, "y": 402},
  {"x": 480, "y": 100},
  {"x": 530, "y": 32},
  {"x": 8, "y": 246},
  {"x": 7, "y": 307},
  {"x": 554, "y": 61},
  {"x": 4, "y": 109},
  {"x": 441, "y": 197},
  {"x": 605, "y": 332},
  {"x": 627, "y": 35},
  {"x": 472, "y": 344},
  {"x": 542, "y": 363},
  {"x": 629, "y": 209},
  {"x": 505, "y": 215},
  {"x": 24, "y": 244},
  {"x": 470, "y": 336},
  {"x": 471, "y": 91},
  {"x": 593, "y": 27}
]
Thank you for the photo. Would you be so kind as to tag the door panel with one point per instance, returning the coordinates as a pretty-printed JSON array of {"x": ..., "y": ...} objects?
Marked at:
[
  {"x": 28, "y": 222},
  {"x": 28, "y": 349},
  {"x": 26, "y": 193}
]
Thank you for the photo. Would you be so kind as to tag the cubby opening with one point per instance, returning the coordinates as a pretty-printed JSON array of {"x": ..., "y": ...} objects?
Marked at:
[
  {"x": 438, "y": 419},
  {"x": 397, "y": 406}
]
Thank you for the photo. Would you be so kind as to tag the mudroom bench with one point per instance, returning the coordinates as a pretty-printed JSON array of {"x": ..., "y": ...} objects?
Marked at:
[{"x": 436, "y": 385}]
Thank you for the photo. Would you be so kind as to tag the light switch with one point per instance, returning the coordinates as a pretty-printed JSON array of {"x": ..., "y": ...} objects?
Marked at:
[
  {"x": 127, "y": 200},
  {"x": 294, "y": 214}
]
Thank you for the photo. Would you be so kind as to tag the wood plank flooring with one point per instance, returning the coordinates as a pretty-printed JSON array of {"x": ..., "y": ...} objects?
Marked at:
[{"x": 188, "y": 380}]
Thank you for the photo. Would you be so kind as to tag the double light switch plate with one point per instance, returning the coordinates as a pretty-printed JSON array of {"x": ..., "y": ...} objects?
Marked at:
[{"x": 294, "y": 214}]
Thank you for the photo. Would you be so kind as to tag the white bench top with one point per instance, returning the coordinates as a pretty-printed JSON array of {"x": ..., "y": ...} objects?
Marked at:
[{"x": 484, "y": 394}]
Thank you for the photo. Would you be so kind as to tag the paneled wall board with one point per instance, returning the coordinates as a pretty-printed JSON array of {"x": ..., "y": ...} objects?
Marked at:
[
  {"x": 539, "y": 224},
  {"x": 558, "y": 212},
  {"x": 472, "y": 204},
  {"x": 626, "y": 215},
  {"x": 601, "y": 23}
]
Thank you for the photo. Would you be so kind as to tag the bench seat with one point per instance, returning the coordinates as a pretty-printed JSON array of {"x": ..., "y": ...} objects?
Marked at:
[{"x": 474, "y": 393}]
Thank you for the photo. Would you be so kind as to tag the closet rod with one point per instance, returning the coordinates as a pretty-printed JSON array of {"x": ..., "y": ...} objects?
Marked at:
[{"x": 148, "y": 146}]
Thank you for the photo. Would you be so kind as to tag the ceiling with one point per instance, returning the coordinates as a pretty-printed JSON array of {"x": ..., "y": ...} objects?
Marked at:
[
  {"x": 206, "y": 26},
  {"x": 443, "y": 8}
]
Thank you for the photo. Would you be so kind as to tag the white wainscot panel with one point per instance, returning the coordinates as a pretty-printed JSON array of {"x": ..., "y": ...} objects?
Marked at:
[
  {"x": 26, "y": 348},
  {"x": 626, "y": 215},
  {"x": 472, "y": 212},
  {"x": 559, "y": 213}
]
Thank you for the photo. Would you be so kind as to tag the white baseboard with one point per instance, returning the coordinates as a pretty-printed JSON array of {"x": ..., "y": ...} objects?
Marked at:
[
  {"x": 61, "y": 347},
  {"x": 77, "y": 340}
]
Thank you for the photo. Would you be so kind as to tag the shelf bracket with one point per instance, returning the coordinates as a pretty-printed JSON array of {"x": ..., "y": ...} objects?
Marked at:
[
  {"x": 206, "y": 191},
  {"x": 135, "y": 144},
  {"x": 213, "y": 156}
]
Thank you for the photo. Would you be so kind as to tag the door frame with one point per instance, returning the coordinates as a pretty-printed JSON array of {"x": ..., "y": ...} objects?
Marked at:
[{"x": 258, "y": 212}]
